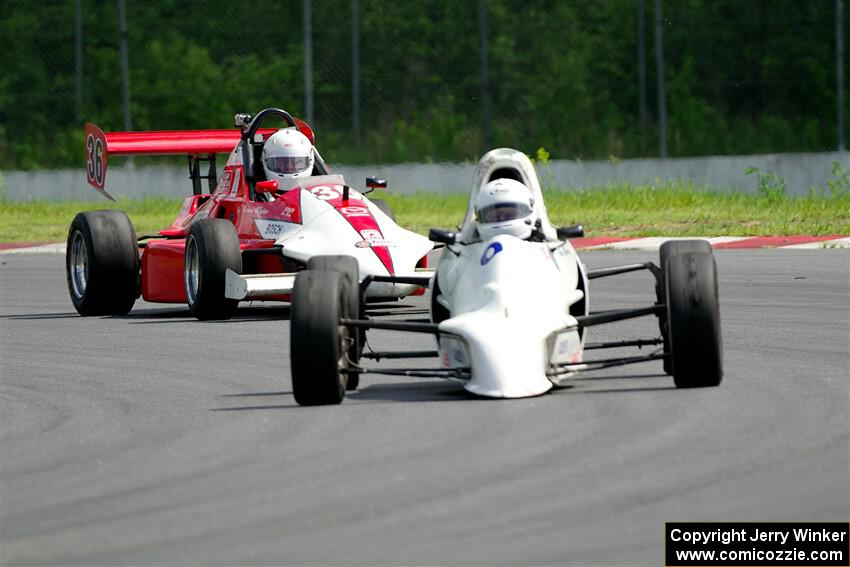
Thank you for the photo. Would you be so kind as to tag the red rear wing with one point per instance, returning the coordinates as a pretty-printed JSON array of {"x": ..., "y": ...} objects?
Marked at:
[{"x": 100, "y": 144}]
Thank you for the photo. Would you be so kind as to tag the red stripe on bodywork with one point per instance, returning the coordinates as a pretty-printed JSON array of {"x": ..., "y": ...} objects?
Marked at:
[{"x": 356, "y": 212}]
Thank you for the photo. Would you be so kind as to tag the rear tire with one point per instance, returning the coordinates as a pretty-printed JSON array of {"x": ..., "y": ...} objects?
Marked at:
[
  {"x": 693, "y": 311},
  {"x": 102, "y": 263},
  {"x": 350, "y": 270},
  {"x": 668, "y": 250},
  {"x": 318, "y": 343},
  {"x": 212, "y": 247},
  {"x": 385, "y": 208}
]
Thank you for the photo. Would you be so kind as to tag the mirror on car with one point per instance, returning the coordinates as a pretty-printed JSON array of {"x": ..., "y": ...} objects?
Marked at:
[
  {"x": 267, "y": 186},
  {"x": 442, "y": 236},
  {"x": 376, "y": 183},
  {"x": 572, "y": 231}
]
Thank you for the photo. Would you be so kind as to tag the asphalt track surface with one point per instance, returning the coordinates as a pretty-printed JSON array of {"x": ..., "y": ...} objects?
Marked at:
[{"x": 157, "y": 439}]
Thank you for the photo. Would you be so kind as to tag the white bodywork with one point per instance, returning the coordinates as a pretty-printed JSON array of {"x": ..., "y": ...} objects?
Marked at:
[
  {"x": 509, "y": 299},
  {"x": 324, "y": 230}
]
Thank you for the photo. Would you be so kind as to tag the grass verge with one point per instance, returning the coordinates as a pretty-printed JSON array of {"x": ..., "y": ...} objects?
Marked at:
[{"x": 620, "y": 210}]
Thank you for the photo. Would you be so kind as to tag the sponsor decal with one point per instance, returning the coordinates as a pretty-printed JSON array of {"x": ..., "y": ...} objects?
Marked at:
[
  {"x": 371, "y": 234},
  {"x": 355, "y": 211},
  {"x": 225, "y": 181},
  {"x": 453, "y": 353},
  {"x": 567, "y": 348},
  {"x": 371, "y": 243},
  {"x": 237, "y": 179},
  {"x": 459, "y": 356},
  {"x": 491, "y": 251},
  {"x": 372, "y": 237},
  {"x": 273, "y": 229}
]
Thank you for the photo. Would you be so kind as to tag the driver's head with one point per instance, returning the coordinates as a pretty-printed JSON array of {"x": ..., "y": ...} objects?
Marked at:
[
  {"x": 504, "y": 206},
  {"x": 287, "y": 155}
]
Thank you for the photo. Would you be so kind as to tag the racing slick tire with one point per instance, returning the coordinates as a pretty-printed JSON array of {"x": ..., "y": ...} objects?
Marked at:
[
  {"x": 318, "y": 343},
  {"x": 693, "y": 312},
  {"x": 668, "y": 250},
  {"x": 102, "y": 263},
  {"x": 350, "y": 270},
  {"x": 385, "y": 208},
  {"x": 438, "y": 312},
  {"x": 212, "y": 247}
]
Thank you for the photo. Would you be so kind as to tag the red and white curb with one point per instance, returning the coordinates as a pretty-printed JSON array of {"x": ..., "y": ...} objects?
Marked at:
[
  {"x": 717, "y": 242},
  {"x": 58, "y": 248},
  {"x": 594, "y": 243}
]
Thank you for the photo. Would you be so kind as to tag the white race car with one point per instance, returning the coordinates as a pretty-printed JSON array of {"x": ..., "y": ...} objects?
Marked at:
[{"x": 509, "y": 304}]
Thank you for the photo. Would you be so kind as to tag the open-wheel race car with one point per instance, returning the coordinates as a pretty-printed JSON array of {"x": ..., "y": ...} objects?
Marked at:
[
  {"x": 274, "y": 207},
  {"x": 509, "y": 307}
]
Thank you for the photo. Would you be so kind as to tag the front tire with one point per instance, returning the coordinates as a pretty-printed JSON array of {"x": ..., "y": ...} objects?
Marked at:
[
  {"x": 212, "y": 247},
  {"x": 693, "y": 317},
  {"x": 350, "y": 270},
  {"x": 668, "y": 250},
  {"x": 102, "y": 263},
  {"x": 318, "y": 343}
]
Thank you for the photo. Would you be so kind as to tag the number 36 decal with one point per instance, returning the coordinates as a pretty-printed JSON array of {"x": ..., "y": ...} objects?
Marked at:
[
  {"x": 95, "y": 156},
  {"x": 332, "y": 192}
]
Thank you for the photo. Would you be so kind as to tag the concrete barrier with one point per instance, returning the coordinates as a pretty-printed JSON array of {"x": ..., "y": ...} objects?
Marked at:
[{"x": 723, "y": 173}]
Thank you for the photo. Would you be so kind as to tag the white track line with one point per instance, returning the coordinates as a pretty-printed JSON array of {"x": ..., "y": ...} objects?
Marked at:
[
  {"x": 58, "y": 248},
  {"x": 655, "y": 242},
  {"x": 837, "y": 243}
]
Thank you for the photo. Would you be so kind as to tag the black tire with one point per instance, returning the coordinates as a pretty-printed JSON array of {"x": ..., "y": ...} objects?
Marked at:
[
  {"x": 102, "y": 263},
  {"x": 693, "y": 311},
  {"x": 438, "y": 312},
  {"x": 350, "y": 270},
  {"x": 385, "y": 208},
  {"x": 668, "y": 250},
  {"x": 318, "y": 343},
  {"x": 212, "y": 247}
]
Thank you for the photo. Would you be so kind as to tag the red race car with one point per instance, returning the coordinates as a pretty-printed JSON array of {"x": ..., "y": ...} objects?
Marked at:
[{"x": 274, "y": 210}]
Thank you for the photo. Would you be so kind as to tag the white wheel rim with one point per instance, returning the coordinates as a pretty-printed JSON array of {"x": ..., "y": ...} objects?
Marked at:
[
  {"x": 192, "y": 270},
  {"x": 79, "y": 265}
]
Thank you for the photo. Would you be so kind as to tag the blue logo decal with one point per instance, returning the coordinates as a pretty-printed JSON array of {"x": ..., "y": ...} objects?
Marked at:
[{"x": 491, "y": 251}]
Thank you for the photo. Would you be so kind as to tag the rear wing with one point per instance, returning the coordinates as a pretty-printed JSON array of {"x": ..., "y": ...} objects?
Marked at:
[{"x": 193, "y": 143}]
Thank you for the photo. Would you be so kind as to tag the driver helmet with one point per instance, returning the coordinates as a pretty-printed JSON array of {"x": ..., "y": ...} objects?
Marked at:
[
  {"x": 287, "y": 155},
  {"x": 504, "y": 206}
]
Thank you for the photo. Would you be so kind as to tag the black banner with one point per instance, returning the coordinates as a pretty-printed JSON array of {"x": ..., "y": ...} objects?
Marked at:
[{"x": 811, "y": 544}]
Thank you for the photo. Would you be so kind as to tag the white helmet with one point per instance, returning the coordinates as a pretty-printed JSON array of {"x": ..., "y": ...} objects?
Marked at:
[
  {"x": 504, "y": 206},
  {"x": 287, "y": 155}
]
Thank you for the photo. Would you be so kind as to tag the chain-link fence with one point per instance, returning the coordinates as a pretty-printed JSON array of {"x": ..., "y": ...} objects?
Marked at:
[{"x": 432, "y": 80}]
